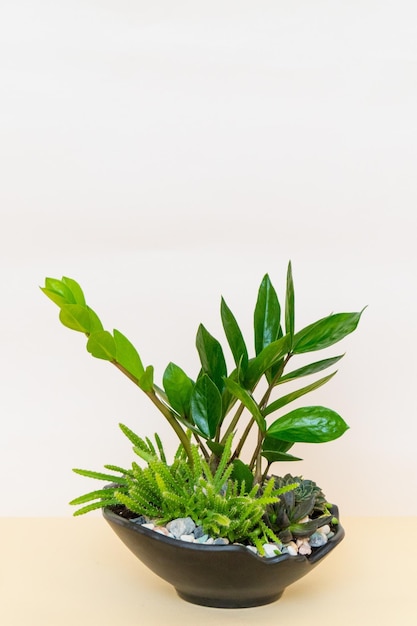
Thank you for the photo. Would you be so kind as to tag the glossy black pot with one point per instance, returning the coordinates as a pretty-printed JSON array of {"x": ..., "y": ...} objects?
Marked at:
[{"x": 219, "y": 576}]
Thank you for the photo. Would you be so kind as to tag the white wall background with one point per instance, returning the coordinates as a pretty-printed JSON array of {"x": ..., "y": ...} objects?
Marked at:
[{"x": 165, "y": 153}]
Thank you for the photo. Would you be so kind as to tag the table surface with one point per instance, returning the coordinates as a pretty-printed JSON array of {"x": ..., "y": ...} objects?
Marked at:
[{"x": 59, "y": 571}]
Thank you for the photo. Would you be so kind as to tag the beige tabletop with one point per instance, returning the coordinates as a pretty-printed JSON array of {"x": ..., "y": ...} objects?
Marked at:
[{"x": 62, "y": 571}]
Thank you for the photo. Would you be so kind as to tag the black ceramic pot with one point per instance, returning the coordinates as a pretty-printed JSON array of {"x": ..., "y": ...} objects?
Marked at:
[{"x": 218, "y": 576}]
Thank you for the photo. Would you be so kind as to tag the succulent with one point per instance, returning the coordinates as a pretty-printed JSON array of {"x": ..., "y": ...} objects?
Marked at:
[
  {"x": 219, "y": 503},
  {"x": 299, "y": 512}
]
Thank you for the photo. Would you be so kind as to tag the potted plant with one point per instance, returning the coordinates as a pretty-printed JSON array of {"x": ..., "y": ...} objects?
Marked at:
[{"x": 214, "y": 521}]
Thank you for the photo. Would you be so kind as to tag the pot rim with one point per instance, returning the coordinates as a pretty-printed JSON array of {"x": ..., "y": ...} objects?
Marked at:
[{"x": 316, "y": 555}]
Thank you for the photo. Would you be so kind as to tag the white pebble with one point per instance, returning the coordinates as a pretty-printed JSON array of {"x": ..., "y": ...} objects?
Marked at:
[
  {"x": 304, "y": 548},
  {"x": 189, "y": 538},
  {"x": 271, "y": 549},
  {"x": 162, "y": 530},
  {"x": 292, "y": 548},
  {"x": 149, "y": 525},
  {"x": 324, "y": 529}
]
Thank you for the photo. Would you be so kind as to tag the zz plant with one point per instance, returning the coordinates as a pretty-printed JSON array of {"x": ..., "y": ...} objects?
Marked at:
[{"x": 213, "y": 415}]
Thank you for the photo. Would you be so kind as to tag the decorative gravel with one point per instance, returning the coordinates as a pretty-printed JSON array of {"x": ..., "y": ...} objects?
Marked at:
[{"x": 185, "y": 529}]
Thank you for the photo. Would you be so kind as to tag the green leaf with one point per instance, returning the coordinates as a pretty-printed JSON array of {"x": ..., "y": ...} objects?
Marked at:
[
  {"x": 58, "y": 292},
  {"x": 266, "y": 316},
  {"x": 272, "y": 456},
  {"x": 242, "y": 472},
  {"x": 216, "y": 447},
  {"x": 76, "y": 317},
  {"x": 55, "y": 297},
  {"x": 102, "y": 345},
  {"x": 95, "y": 323},
  {"x": 289, "y": 303},
  {"x": 268, "y": 357},
  {"x": 146, "y": 380},
  {"x": 247, "y": 401},
  {"x": 206, "y": 406},
  {"x": 75, "y": 289},
  {"x": 127, "y": 355},
  {"x": 93, "y": 495},
  {"x": 160, "y": 448},
  {"x": 278, "y": 404},
  {"x": 211, "y": 357},
  {"x": 132, "y": 436},
  {"x": 178, "y": 387},
  {"x": 308, "y": 528},
  {"x": 276, "y": 450},
  {"x": 234, "y": 336},
  {"x": 96, "y": 505},
  {"x": 310, "y": 424},
  {"x": 100, "y": 476},
  {"x": 277, "y": 445},
  {"x": 325, "y": 332},
  {"x": 312, "y": 368}
]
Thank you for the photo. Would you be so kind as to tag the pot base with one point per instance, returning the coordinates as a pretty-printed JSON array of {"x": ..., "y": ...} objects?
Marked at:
[{"x": 228, "y": 604}]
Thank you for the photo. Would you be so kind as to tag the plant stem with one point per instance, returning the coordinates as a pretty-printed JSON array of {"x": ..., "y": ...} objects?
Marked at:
[
  {"x": 258, "y": 458},
  {"x": 265, "y": 474},
  {"x": 262, "y": 404},
  {"x": 201, "y": 446},
  {"x": 233, "y": 423},
  {"x": 164, "y": 410},
  {"x": 243, "y": 439},
  {"x": 173, "y": 423},
  {"x": 267, "y": 394}
]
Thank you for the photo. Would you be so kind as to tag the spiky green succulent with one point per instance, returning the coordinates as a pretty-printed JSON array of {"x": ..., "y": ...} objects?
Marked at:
[{"x": 223, "y": 505}]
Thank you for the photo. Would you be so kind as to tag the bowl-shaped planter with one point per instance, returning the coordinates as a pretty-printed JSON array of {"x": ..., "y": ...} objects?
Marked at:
[{"x": 228, "y": 576}]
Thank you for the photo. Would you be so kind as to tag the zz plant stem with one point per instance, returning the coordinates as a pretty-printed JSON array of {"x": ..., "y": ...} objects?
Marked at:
[{"x": 165, "y": 410}]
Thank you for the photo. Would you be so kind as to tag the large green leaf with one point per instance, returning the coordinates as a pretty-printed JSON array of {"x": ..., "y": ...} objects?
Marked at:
[
  {"x": 178, "y": 387},
  {"x": 273, "y": 443},
  {"x": 268, "y": 357},
  {"x": 211, "y": 356},
  {"x": 289, "y": 303},
  {"x": 206, "y": 406},
  {"x": 247, "y": 400},
  {"x": 325, "y": 332},
  {"x": 312, "y": 368},
  {"x": 267, "y": 315},
  {"x": 290, "y": 397},
  {"x": 76, "y": 317},
  {"x": 310, "y": 424},
  {"x": 234, "y": 336},
  {"x": 127, "y": 355},
  {"x": 102, "y": 345}
]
